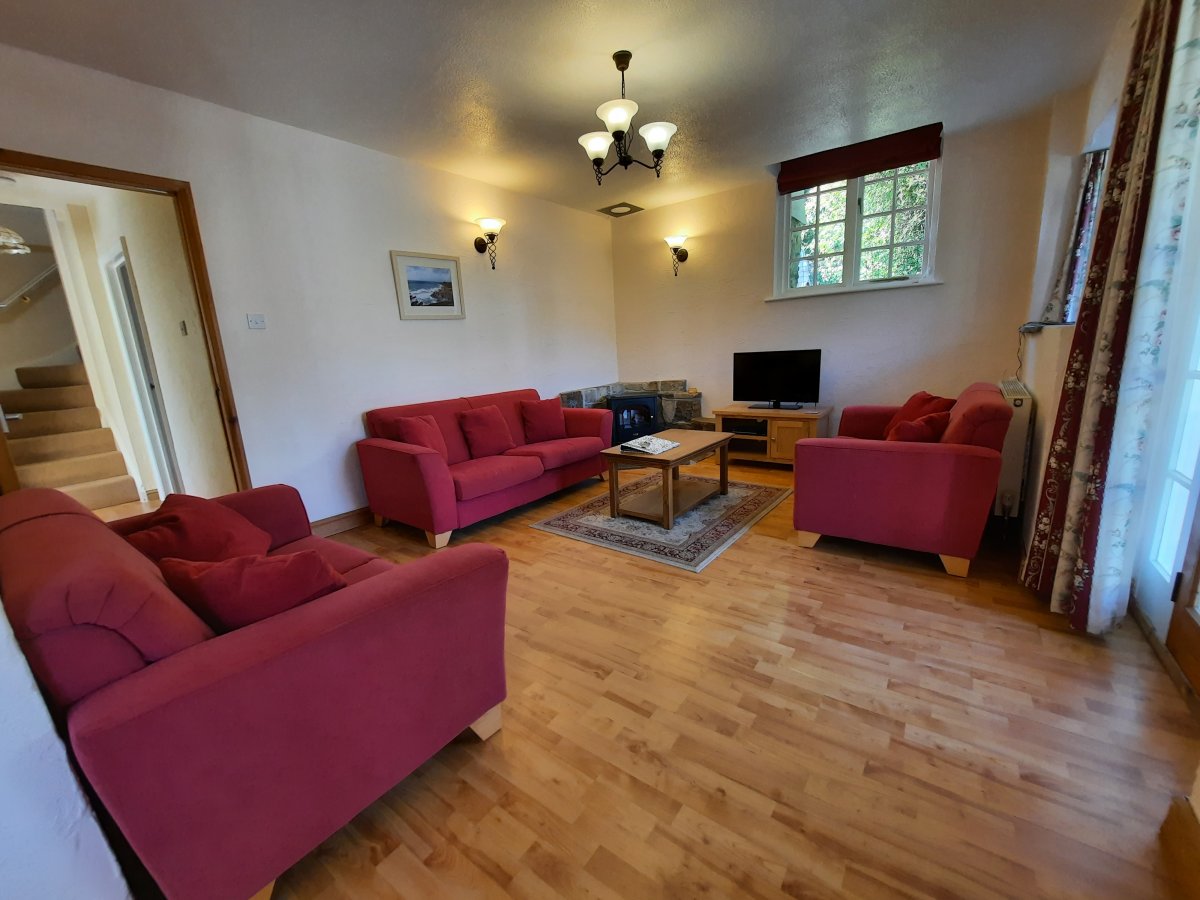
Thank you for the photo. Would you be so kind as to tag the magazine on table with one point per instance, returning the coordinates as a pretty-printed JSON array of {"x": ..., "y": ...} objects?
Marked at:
[{"x": 649, "y": 444}]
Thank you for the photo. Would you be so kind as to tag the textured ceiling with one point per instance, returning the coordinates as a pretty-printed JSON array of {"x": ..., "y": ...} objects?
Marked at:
[{"x": 500, "y": 91}]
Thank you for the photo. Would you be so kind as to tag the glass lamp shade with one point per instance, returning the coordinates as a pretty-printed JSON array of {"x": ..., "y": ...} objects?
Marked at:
[
  {"x": 617, "y": 114},
  {"x": 596, "y": 143},
  {"x": 675, "y": 241},
  {"x": 657, "y": 135},
  {"x": 490, "y": 226},
  {"x": 11, "y": 242}
]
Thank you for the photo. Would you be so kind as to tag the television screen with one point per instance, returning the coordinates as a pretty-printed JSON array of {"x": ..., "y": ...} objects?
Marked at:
[{"x": 776, "y": 377}]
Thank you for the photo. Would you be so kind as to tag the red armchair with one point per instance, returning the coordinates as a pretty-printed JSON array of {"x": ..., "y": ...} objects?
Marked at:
[
  {"x": 933, "y": 497},
  {"x": 223, "y": 759}
]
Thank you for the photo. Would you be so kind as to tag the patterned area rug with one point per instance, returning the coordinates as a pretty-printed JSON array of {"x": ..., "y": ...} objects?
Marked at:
[{"x": 699, "y": 535}]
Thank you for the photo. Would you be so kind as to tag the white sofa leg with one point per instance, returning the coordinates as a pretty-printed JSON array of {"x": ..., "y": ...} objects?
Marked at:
[
  {"x": 487, "y": 724},
  {"x": 807, "y": 538},
  {"x": 439, "y": 540}
]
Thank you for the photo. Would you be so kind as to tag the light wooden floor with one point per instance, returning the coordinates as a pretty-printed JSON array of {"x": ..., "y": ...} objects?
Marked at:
[{"x": 844, "y": 721}]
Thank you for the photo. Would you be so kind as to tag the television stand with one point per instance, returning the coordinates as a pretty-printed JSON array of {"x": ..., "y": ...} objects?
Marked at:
[
  {"x": 765, "y": 434},
  {"x": 776, "y": 404}
]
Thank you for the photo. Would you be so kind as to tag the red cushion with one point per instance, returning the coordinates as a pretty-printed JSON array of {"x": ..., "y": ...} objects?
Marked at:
[
  {"x": 919, "y": 404},
  {"x": 477, "y": 477},
  {"x": 485, "y": 431},
  {"x": 563, "y": 452},
  {"x": 237, "y": 592},
  {"x": 925, "y": 430},
  {"x": 187, "y": 527},
  {"x": 422, "y": 431},
  {"x": 543, "y": 420}
]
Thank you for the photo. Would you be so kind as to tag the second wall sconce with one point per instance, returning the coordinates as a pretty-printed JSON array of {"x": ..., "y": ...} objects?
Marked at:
[
  {"x": 491, "y": 231},
  {"x": 678, "y": 253}
]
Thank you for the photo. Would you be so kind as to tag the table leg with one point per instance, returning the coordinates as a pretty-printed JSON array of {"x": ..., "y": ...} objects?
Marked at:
[
  {"x": 614, "y": 493},
  {"x": 674, "y": 473},
  {"x": 725, "y": 468},
  {"x": 668, "y": 498}
]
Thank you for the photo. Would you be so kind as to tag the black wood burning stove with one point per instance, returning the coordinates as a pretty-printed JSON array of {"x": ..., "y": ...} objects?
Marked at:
[{"x": 634, "y": 415}]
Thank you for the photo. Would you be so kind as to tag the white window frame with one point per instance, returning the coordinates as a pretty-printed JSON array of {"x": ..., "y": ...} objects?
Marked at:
[{"x": 854, "y": 218}]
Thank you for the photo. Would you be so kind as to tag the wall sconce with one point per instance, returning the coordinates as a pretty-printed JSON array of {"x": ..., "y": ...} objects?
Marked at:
[
  {"x": 491, "y": 231},
  {"x": 678, "y": 253}
]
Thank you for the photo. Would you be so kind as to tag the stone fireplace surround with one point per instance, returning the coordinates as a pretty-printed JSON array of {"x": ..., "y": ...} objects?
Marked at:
[{"x": 677, "y": 405}]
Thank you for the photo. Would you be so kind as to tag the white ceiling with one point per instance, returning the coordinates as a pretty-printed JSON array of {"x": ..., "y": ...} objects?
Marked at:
[{"x": 500, "y": 91}]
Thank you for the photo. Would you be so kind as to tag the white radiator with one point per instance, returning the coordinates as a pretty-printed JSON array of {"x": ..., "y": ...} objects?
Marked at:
[{"x": 1014, "y": 458}]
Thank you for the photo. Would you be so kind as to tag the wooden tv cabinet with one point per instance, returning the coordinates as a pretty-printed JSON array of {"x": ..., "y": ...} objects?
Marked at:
[{"x": 770, "y": 435}]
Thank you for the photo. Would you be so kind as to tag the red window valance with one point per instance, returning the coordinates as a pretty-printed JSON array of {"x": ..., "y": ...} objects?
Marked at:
[{"x": 889, "y": 152}]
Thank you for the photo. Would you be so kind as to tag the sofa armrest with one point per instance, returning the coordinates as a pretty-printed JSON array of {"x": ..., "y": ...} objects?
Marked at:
[
  {"x": 930, "y": 497},
  {"x": 276, "y": 508},
  {"x": 589, "y": 423},
  {"x": 227, "y": 762},
  {"x": 409, "y": 484},
  {"x": 865, "y": 421}
]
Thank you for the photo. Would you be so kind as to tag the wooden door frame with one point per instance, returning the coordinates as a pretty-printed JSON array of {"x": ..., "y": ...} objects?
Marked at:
[
  {"x": 189, "y": 232},
  {"x": 1183, "y": 632}
]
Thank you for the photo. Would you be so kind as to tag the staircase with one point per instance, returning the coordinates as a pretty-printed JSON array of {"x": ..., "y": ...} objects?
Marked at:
[{"x": 58, "y": 441}]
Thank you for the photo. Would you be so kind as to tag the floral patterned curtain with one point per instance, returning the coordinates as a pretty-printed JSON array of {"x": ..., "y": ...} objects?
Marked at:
[
  {"x": 1078, "y": 559},
  {"x": 1063, "y": 305}
]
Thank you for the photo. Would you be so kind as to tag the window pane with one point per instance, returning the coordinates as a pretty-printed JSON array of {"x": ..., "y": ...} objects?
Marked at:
[
  {"x": 886, "y": 173},
  {"x": 877, "y": 231},
  {"x": 875, "y": 264},
  {"x": 915, "y": 167},
  {"x": 877, "y": 197},
  {"x": 1171, "y": 527},
  {"x": 801, "y": 272},
  {"x": 833, "y": 238},
  {"x": 912, "y": 190},
  {"x": 910, "y": 226},
  {"x": 804, "y": 210},
  {"x": 804, "y": 242},
  {"x": 1189, "y": 436},
  {"x": 829, "y": 270},
  {"x": 907, "y": 261},
  {"x": 833, "y": 206}
]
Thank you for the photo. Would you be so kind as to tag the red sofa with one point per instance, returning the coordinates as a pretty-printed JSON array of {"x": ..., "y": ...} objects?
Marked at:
[
  {"x": 418, "y": 486},
  {"x": 933, "y": 497},
  {"x": 224, "y": 759}
]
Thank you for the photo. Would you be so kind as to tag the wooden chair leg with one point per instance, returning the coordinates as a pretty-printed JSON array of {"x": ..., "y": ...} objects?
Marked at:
[
  {"x": 487, "y": 724},
  {"x": 380, "y": 521},
  {"x": 265, "y": 893},
  {"x": 439, "y": 540},
  {"x": 807, "y": 538},
  {"x": 955, "y": 565}
]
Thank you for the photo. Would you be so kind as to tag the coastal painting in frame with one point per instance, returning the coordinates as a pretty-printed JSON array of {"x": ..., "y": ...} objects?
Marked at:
[{"x": 427, "y": 286}]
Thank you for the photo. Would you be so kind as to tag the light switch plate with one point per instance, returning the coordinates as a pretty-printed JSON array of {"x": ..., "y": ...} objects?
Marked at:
[{"x": 256, "y": 320}]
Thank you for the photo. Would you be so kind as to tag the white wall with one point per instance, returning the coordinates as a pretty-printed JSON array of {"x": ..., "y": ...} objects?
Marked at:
[
  {"x": 50, "y": 844},
  {"x": 878, "y": 346},
  {"x": 159, "y": 266},
  {"x": 38, "y": 333},
  {"x": 298, "y": 226}
]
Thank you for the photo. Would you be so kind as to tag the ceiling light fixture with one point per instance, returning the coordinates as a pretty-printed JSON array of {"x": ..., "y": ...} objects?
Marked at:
[
  {"x": 11, "y": 242},
  {"x": 491, "y": 231},
  {"x": 617, "y": 116},
  {"x": 678, "y": 252}
]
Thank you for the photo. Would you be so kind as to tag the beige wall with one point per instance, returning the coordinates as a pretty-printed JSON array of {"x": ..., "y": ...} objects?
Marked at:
[
  {"x": 156, "y": 258},
  {"x": 298, "y": 226},
  {"x": 878, "y": 346}
]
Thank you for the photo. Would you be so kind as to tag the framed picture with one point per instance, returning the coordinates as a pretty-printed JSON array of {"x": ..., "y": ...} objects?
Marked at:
[{"x": 427, "y": 286}]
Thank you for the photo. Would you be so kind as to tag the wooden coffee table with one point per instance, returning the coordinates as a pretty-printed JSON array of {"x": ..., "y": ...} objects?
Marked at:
[{"x": 674, "y": 497}]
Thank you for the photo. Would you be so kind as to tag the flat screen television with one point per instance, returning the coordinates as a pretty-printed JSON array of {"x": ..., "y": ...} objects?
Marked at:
[{"x": 777, "y": 379}]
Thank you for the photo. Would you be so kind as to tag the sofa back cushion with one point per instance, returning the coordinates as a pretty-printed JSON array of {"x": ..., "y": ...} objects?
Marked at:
[
  {"x": 486, "y": 431},
  {"x": 187, "y": 527},
  {"x": 925, "y": 430},
  {"x": 85, "y": 606},
  {"x": 979, "y": 417},
  {"x": 509, "y": 404},
  {"x": 423, "y": 431},
  {"x": 920, "y": 404},
  {"x": 543, "y": 420},
  {"x": 381, "y": 423}
]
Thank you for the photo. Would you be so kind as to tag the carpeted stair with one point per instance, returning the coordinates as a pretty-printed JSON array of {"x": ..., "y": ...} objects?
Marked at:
[{"x": 59, "y": 443}]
